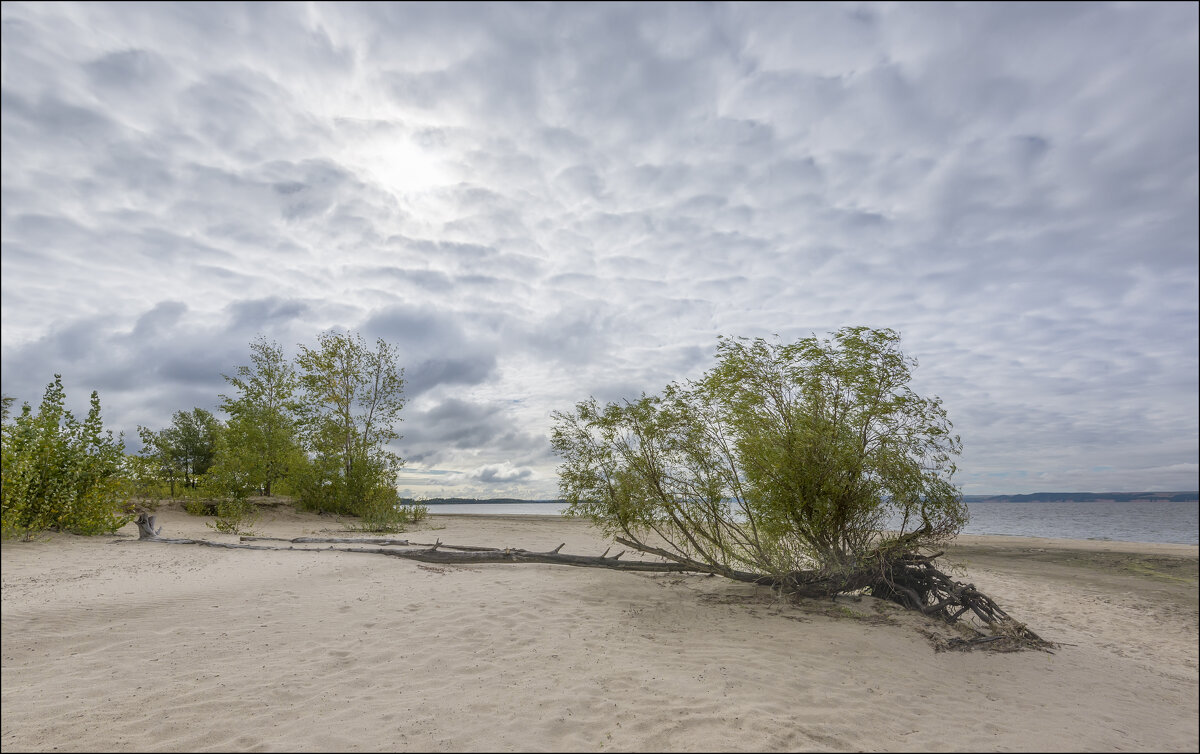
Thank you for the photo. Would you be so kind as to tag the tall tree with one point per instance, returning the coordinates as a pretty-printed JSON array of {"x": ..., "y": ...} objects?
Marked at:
[
  {"x": 351, "y": 399},
  {"x": 262, "y": 429}
]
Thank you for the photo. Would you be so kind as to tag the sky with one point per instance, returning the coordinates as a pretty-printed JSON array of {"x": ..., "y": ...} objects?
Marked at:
[{"x": 539, "y": 203}]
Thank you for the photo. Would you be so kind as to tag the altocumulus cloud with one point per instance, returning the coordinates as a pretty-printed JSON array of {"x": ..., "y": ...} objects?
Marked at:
[
  {"x": 542, "y": 203},
  {"x": 500, "y": 472}
]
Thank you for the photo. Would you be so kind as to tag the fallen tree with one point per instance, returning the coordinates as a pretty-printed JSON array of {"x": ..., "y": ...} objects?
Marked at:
[
  {"x": 925, "y": 577},
  {"x": 811, "y": 466}
]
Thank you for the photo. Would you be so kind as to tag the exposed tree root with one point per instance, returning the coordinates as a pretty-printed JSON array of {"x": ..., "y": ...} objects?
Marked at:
[
  {"x": 909, "y": 579},
  {"x": 913, "y": 581}
]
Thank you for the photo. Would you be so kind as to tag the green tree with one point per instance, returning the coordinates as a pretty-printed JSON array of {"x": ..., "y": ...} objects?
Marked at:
[
  {"x": 185, "y": 450},
  {"x": 159, "y": 457},
  {"x": 192, "y": 438},
  {"x": 235, "y": 473},
  {"x": 350, "y": 402},
  {"x": 60, "y": 473},
  {"x": 811, "y": 465},
  {"x": 145, "y": 478},
  {"x": 261, "y": 442}
]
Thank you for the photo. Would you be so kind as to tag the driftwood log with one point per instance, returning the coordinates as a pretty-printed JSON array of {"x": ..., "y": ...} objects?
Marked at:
[{"x": 912, "y": 580}]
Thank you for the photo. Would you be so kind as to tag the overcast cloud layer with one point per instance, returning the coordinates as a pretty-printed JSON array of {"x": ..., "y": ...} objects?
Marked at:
[{"x": 538, "y": 203}]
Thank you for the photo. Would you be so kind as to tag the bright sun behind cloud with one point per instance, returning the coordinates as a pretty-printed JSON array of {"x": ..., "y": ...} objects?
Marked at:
[{"x": 398, "y": 165}]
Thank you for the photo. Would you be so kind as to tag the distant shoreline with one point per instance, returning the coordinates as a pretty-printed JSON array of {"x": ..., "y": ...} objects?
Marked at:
[
  {"x": 1088, "y": 497},
  {"x": 1033, "y": 497}
]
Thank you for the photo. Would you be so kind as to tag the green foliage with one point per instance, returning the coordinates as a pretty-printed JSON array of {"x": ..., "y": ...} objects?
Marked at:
[
  {"x": 60, "y": 473},
  {"x": 201, "y": 498},
  {"x": 384, "y": 514},
  {"x": 322, "y": 485},
  {"x": 192, "y": 439},
  {"x": 198, "y": 507},
  {"x": 417, "y": 512},
  {"x": 211, "y": 497},
  {"x": 184, "y": 451},
  {"x": 237, "y": 471},
  {"x": 783, "y": 457},
  {"x": 234, "y": 517},
  {"x": 318, "y": 429},
  {"x": 158, "y": 459},
  {"x": 144, "y": 480},
  {"x": 262, "y": 442},
  {"x": 350, "y": 401},
  {"x": 316, "y": 484}
]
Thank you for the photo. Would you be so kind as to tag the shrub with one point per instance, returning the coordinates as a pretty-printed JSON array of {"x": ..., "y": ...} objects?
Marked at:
[
  {"x": 60, "y": 473},
  {"x": 417, "y": 512},
  {"x": 146, "y": 488},
  {"x": 235, "y": 517},
  {"x": 200, "y": 507},
  {"x": 384, "y": 514}
]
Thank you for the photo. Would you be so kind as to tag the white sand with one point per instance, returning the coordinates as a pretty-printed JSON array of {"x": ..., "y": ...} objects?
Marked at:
[{"x": 140, "y": 646}]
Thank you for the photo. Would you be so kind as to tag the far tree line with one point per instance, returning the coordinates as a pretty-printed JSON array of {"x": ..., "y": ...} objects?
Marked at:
[{"x": 315, "y": 428}]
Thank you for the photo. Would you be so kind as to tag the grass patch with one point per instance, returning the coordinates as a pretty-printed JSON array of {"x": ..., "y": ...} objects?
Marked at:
[{"x": 1171, "y": 570}]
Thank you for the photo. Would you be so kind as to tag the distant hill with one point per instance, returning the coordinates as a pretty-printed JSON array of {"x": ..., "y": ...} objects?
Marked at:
[{"x": 1088, "y": 497}]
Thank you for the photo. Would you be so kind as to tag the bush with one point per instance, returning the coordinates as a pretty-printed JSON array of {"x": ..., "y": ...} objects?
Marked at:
[
  {"x": 235, "y": 517},
  {"x": 368, "y": 491},
  {"x": 417, "y": 512},
  {"x": 146, "y": 489},
  {"x": 384, "y": 514},
  {"x": 60, "y": 473},
  {"x": 200, "y": 507}
]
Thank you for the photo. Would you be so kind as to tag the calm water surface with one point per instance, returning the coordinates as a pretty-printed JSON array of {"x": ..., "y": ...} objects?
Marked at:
[{"x": 1127, "y": 522}]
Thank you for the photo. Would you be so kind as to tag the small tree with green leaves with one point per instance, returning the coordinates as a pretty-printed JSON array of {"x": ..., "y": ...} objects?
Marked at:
[
  {"x": 262, "y": 440},
  {"x": 60, "y": 473},
  {"x": 811, "y": 465},
  {"x": 350, "y": 402},
  {"x": 192, "y": 438},
  {"x": 159, "y": 459},
  {"x": 184, "y": 451}
]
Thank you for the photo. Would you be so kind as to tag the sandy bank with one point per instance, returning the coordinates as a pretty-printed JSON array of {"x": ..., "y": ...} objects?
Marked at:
[{"x": 136, "y": 646}]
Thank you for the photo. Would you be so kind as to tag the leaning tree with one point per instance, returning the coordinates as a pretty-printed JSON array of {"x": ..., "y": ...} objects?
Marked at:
[{"x": 811, "y": 466}]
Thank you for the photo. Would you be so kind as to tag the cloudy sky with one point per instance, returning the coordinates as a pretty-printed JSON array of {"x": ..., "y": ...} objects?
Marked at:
[{"x": 538, "y": 203}]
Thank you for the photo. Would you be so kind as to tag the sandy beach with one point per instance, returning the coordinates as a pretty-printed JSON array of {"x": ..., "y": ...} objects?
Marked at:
[{"x": 111, "y": 644}]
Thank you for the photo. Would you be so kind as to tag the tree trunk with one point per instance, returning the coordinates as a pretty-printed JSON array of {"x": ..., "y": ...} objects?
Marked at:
[{"x": 146, "y": 528}]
